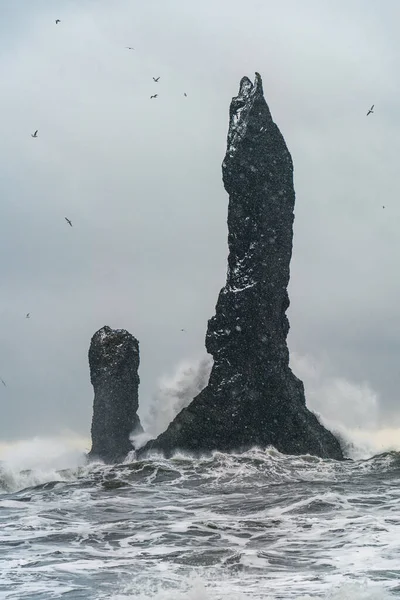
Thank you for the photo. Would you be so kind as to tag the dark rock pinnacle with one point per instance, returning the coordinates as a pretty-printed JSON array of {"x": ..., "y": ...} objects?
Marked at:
[
  {"x": 114, "y": 363},
  {"x": 252, "y": 398}
]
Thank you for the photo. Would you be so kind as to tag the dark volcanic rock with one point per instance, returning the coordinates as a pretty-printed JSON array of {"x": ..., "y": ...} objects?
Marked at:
[
  {"x": 252, "y": 397},
  {"x": 114, "y": 363}
]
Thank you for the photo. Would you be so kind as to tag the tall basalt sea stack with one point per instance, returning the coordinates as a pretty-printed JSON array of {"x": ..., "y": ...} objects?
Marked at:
[
  {"x": 252, "y": 398},
  {"x": 114, "y": 363}
]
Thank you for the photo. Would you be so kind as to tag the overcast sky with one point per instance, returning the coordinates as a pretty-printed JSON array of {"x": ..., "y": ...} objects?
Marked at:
[{"x": 140, "y": 180}]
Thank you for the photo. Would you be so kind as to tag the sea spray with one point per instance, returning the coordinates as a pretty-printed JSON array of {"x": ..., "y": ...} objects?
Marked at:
[
  {"x": 174, "y": 393},
  {"x": 348, "y": 408},
  {"x": 26, "y": 463}
]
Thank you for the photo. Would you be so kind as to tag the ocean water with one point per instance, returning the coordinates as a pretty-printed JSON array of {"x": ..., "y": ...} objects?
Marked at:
[{"x": 258, "y": 525}]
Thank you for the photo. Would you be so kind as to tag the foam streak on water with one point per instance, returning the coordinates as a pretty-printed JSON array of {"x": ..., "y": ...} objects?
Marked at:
[{"x": 256, "y": 525}]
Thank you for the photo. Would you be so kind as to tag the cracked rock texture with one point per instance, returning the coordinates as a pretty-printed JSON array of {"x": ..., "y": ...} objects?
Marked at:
[
  {"x": 114, "y": 363},
  {"x": 252, "y": 398}
]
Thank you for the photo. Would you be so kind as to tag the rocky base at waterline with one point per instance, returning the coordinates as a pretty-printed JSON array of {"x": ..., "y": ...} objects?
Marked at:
[
  {"x": 252, "y": 398},
  {"x": 114, "y": 363}
]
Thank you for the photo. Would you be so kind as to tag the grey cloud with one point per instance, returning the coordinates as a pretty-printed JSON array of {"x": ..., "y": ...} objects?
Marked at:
[{"x": 141, "y": 183}]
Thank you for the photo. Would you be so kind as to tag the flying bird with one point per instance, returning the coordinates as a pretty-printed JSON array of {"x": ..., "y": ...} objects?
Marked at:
[
  {"x": 129, "y": 48},
  {"x": 3, "y": 382},
  {"x": 35, "y": 134},
  {"x": 183, "y": 330},
  {"x": 185, "y": 94},
  {"x": 28, "y": 316},
  {"x": 371, "y": 110},
  {"x": 58, "y": 21},
  {"x": 68, "y": 221},
  {"x": 383, "y": 206},
  {"x": 155, "y": 96},
  {"x": 156, "y": 79}
]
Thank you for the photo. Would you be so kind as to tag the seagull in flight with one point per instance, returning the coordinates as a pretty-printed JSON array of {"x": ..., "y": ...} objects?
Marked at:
[
  {"x": 371, "y": 110},
  {"x": 3, "y": 382},
  {"x": 154, "y": 96},
  {"x": 68, "y": 221},
  {"x": 28, "y": 316},
  {"x": 35, "y": 134},
  {"x": 156, "y": 79},
  {"x": 58, "y": 21},
  {"x": 383, "y": 206},
  {"x": 129, "y": 48},
  {"x": 185, "y": 94}
]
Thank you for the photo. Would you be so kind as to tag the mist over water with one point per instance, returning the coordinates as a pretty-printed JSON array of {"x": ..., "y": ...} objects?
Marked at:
[
  {"x": 257, "y": 525},
  {"x": 33, "y": 462},
  {"x": 174, "y": 393},
  {"x": 350, "y": 409}
]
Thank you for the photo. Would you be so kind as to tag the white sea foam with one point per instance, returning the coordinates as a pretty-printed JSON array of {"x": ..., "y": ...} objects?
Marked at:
[
  {"x": 191, "y": 589},
  {"x": 257, "y": 525},
  {"x": 197, "y": 588},
  {"x": 355, "y": 591}
]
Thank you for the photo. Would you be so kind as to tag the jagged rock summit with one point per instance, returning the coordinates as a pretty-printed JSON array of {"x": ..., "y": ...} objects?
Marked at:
[
  {"x": 252, "y": 397},
  {"x": 114, "y": 363}
]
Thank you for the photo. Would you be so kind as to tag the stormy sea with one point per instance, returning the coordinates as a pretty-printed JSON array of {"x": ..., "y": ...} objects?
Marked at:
[{"x": 258, "y": 525}]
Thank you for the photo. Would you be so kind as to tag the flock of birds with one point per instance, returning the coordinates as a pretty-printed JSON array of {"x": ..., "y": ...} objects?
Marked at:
[
  {"x": 155, "y": 79},
  {"x": 153, "y": 96},
  {"x": 35, "y": 135}
]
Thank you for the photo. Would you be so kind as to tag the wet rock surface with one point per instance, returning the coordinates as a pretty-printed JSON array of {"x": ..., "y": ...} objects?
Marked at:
[
  {"x": 252, "y": 398},
  {"x": 114, "y": 363}
]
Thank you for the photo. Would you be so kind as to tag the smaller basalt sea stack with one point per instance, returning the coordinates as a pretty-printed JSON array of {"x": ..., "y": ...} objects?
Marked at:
[
  {"x": 252, "y": 398},
  {"x": 114, "y": 363}
]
